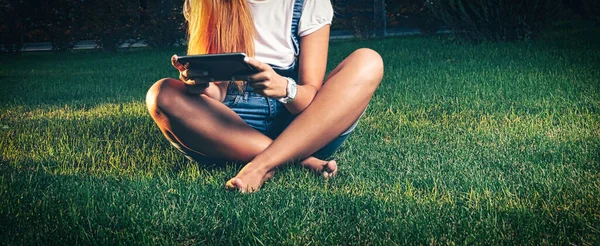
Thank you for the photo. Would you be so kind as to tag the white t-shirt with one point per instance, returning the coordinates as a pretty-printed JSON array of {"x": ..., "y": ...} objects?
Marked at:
[{"x": 273, "y": 21}]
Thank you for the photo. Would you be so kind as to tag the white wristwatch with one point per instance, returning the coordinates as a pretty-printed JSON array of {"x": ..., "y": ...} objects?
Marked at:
[{"x": 292, "y": 89}]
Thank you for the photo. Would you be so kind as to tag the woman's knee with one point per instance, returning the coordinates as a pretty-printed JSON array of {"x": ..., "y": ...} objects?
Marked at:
[
  {"x": 371, "y": 63},
  {"x": 365, "y": 64},
  {"x": 163, "y": 94}
]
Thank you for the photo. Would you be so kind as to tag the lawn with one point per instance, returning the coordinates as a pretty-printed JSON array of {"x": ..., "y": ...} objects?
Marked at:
[{"x": 462, "y": 144}]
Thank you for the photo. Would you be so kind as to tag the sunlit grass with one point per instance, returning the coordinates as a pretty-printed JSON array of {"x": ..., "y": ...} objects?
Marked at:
[{"x": 462, "y": 144}]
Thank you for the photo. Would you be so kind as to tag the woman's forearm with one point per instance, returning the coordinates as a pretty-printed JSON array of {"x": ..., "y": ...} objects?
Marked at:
[{"x": 304, "y": 96}]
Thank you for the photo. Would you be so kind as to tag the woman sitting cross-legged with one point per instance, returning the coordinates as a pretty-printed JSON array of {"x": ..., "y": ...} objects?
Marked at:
[{"x": 286, "y": 112}]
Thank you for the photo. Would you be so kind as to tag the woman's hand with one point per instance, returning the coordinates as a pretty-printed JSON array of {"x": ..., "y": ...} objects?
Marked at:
[
  {"x": 194, "y": 82},
  {"x": 266, "y": 81}
]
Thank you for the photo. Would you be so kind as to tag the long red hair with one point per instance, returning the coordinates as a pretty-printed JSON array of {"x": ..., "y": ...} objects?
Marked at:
[{"x": 219, "y": 26}]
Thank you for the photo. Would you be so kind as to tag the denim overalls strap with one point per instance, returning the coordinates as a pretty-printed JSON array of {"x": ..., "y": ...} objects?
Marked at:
[
  {"x": 292, "y": 70},
  {"x": 298, "y": 5}
]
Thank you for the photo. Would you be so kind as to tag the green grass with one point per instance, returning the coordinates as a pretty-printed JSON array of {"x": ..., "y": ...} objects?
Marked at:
[{"x": 462, "y": 144}]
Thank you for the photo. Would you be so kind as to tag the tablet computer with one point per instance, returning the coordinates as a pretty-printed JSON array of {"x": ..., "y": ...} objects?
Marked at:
[{"x": 218, "y": 67}]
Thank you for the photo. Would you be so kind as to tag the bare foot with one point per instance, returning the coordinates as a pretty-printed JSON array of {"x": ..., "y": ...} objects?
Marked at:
[
  {"x": 249, "y": 179},
  {"x": 326, "y": 168}
]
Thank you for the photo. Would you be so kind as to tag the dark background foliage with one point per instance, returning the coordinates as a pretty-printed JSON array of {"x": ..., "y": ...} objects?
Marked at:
[
  {"x": 110, "y": 23},
  {"x": 496, "y": 20},
  {"x": 160, "y": 23},
  {"x": 591, "y": 9}
]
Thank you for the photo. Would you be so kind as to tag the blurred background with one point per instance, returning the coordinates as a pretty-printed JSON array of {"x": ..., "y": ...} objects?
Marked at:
[{"x": 114, "y": 24}]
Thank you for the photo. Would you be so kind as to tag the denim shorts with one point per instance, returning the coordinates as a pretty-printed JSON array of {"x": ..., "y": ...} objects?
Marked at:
[{"x": 266, "y": 115}]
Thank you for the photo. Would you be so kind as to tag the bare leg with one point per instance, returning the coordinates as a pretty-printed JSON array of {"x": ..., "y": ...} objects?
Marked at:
[
  {"x": 203, "y": 124},
  {"x": 339, "y": 103}
]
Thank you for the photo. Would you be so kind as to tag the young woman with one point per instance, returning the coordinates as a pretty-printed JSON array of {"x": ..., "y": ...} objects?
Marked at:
[{"x": 286, "y": 112}]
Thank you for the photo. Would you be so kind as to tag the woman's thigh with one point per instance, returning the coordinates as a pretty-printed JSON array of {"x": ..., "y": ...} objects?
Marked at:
[{"x": 202, "y": 124}]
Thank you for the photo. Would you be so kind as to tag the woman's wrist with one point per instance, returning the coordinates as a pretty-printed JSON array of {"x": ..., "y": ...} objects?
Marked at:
[{"x": 290, "y": 91}]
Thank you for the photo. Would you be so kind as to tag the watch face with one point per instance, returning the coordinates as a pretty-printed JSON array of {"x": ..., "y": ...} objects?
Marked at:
[{"x": 292, "y": 89}]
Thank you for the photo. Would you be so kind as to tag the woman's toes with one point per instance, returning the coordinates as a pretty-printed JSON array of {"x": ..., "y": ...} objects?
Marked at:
[
  {"x": 235, "y": 183},
  {"x": 229, "y": 185},
  {"x": 330, "y": 169}
]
